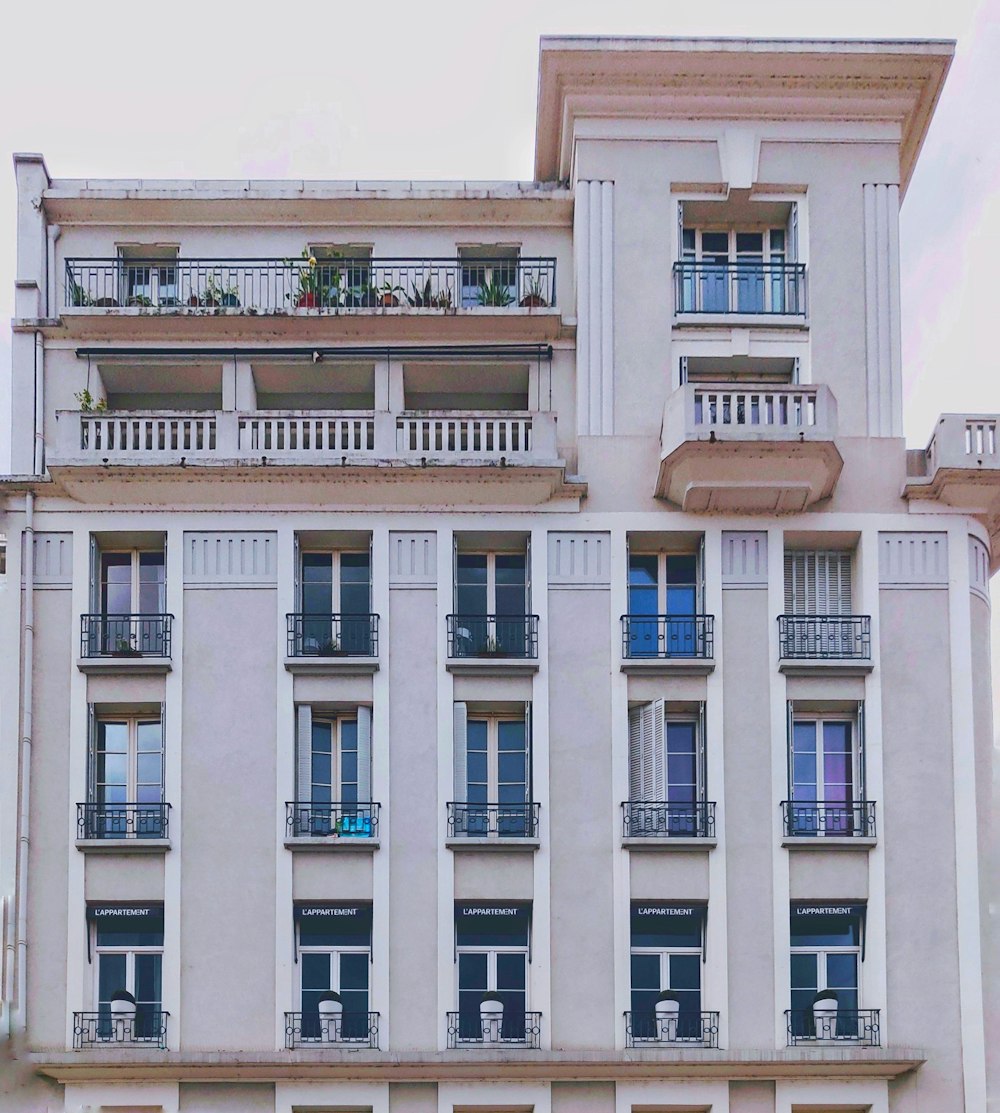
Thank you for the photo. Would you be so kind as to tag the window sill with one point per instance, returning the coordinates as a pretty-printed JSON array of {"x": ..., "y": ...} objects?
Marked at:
[
  {"x": 668, "y": 666},
  {"x": 338, "y": 844},
  {"x": 124, "y": 666},
  {"x": 123, "y": 846},
  {"x": 492, "y": 666},
  {"x": 669, "y": 842},
  {"x": 818, "y": 666},
  {"x": 332, "y": 666},
  {"x": 825, "y": 842},
  {"x": 468, "y": 843}
]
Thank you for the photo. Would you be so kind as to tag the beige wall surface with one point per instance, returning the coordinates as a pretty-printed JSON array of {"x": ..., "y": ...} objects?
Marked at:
[
  {"x": 222, "y": 1097},
  {"x": 228, "y": 776}
]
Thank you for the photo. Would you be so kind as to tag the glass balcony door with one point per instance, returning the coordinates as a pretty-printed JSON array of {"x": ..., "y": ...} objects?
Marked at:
[
  {"x": 491, "y": 602},
  {"x": 663, "y": 596},
  {"x": 824, "y": 776},
  {"x": 336, "y": 603},
  {"x": 128, "y": 779}
]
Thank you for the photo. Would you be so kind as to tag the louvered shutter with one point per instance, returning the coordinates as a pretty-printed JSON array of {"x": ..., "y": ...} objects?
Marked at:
[
  {"x": 529, "y": 786},
  {"x": 818, "y": 582},
  {"x": 658, "y": 760},
  {"x": 303, "y": 787},
  {"x": 91, "y": 754},
  {"x": 364, "y": 755},
  {"x": 95, "y": 576},
  {"x": 701, "y": 774},
  {"x": 634, "y": 753},
  {"x": 163, "y": 750},
  {"x": 461, "y": 716},
  {"x": 861, "y": 788}
]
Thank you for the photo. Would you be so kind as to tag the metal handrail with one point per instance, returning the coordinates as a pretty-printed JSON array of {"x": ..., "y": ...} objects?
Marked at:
[
  {"x": 147, "y": 1028},
  {"x": 310, "y": 1029},
  {"x": 332, "y": 635},
  {"x": 125, "y": 635},
  {"x": 493, "y": 636},
  {"x": 856, "y": 1026},
  {"x": 648, "y": 819},
  {"x": 740, "y": 287},
  {"x": 825, "y": 637},
  {"x": 668, "y": 635},
  {"x": 700, "y": 1029},
  {"x": 122, "y": 821},
  {"x": 514, "y": 1030},
  {"x": 307, "y": 819},
  {"x": 821, "y": 818},
  {"x": 492, "y": 821}
]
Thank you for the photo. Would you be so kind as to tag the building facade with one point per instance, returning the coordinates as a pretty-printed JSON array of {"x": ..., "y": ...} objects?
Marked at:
[{"x": 486, "y": 646}]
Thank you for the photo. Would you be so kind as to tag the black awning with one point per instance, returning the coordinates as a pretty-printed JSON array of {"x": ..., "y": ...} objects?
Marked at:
[
  {"x": 335, "y": 916},
  {"x": 651, "y": 917},
  {"x": 493, "y": 916},
  {"x": 126, "y": 915}
]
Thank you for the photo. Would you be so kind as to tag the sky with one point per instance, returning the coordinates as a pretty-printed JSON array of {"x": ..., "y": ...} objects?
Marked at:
[{"x": 447, "y": 90}]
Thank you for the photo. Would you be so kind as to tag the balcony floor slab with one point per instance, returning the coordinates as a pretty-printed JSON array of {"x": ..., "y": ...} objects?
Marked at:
[
  {"x": 666, "y": 842},
  {"x": 823, "y": 666},
  {"x": 333, "y": 845},
  {"x": 668, "y": 666},
  {"x": 124, "y": 666},
  {"x": 500, "y": 844},
  {"x": 123, "y": 846},
  {"x": 332, "y": 666}
]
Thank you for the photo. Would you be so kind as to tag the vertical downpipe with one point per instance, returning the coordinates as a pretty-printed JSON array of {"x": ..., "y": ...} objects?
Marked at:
[
  {"x": 39, "y": 453},
  {"x": 19, "y": 1016}
]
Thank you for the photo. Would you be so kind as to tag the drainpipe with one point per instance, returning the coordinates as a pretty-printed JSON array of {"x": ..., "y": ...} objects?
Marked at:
[
  {"x": 39, "y": 453},
  {"x": 18, "y": 1015}
]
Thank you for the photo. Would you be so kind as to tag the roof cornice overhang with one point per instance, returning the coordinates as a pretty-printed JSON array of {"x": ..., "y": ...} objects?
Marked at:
[{"x": 763, "y": 80}]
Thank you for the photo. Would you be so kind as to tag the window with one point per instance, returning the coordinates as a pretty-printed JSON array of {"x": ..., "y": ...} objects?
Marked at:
[
  {"x": 3, "y": 555},
  {"x": 666, "y": 773},
  {"x": 333, "y": 776},
  {"x": 489, "y": 276},
  {"x": 826, "y": 775},
  {"x": 129, "y": 596},
  {"x": 826, "y": 952},
  {"x": 335, "y": 601},
  {"x": 732, "y": 270},
  {"x": 128, "y": 955},
  {"x": 664, "y": 600},
  {"x": 817, "y": 582},
  {"x": 125, "y": 793},
  {"x": 492, "y": 953},
  {"x": 492, "y": 775},
  {"x": 334, "y": 955},
  {"x": 145, "y": 280},
  {"x": 666, "y": 955},
  {"x": 491, "y": 605}
]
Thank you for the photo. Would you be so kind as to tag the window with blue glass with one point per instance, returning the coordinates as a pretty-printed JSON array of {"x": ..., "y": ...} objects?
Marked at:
[
  {"x": 667, "y": 770},
  {"x": 489, "y": 276},
  {"x": 492, "y": 774},
  {"x": 334, "y": 955},
  {"x": 732, "y": 270},
  {"x": 666, "y": 955},
  {"x": 664, "y": 605},
  {"x": 826, "y": 954},
  {"x": 491, "y": 950}
]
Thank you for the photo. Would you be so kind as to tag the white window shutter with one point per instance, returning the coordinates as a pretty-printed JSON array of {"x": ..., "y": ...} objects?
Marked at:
[
  {"x": 303, "y": 787},
  {"x": 659, "y": 770},
  {"x": 818, "y": 582},
  {"x": 95, "y": 576},
  {"x": 91, "y": 754},
  {"x": 364, "y": 755},
  {"x": 646, "y": 759},
  {"x": 460, "y": 745},
  {"x": 528, "y": 742},
  {"x": 635, "y": 753}
]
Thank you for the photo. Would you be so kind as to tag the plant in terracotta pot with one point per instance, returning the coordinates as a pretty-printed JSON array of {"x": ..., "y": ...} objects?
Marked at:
[
  {"x": 491, "y": 1016},
  {"x": 218, "y": 295},
  {"x": 307, "y": 282},
  {"x": 667, "y": 1008},
  {"x": 533, "y": 298},
  {"x": 426, "y": 297},
  {"x": 387, "y": 295},
  {"x": 495, "y": 292}
]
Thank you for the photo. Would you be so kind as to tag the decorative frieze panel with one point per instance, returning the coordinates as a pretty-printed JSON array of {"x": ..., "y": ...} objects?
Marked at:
[
  {"x": 53, "y": 561},
  {"x": 579, "y": 560},
  {"x": 744, "y": 559},
  {"x": 913, "y": 560},
  {"x": 412, "y": 559},
  {"x": 593, "y": 237},
  {"x": 230, "y": 559}
]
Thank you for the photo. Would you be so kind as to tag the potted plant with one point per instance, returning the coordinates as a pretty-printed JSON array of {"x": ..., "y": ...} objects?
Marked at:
[
  {"x": 494, "y": 292},
  {"x": 331, "y": 1012},
  {"x": 532, "y": 297},
  {"x": 78, "y": 296},
  {"x": 124, "y": 647},
  {"x": 492, "y": 647},
  {"x": 667, "y": 1007},
  {"x": 88, "y": 404},
  {"x": 491, "y": 1016},
  {"x": 331, "y": 648},
  {"x": 424, "y": 297},
  {"x": 387, "y": 295},
  {"x": 139, "y": 301},
  {"x": 824, "y": 1010},
  {"x": 307, "y": 284},
  {"x": 216, "y": 295}
]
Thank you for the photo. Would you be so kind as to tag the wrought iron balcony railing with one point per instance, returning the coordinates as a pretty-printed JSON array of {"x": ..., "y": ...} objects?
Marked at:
[
  {"x": 125, "y": 635},
  {"x": 688, "y": 1029},
  {"x": 777, "y": 289},
  {"x": 650, "y": 819},
  {"x": 310, "y": 820},
  {"x": 332, "y": 635},
  {"x": 148, "y": 1028},
  {"x": 332, "y": 285},
  {"x": 122, "y": 821},
  {"x": 822, "y": 818},
  {"x": 514, "y": 1029},
  {"x": 310, "y": 1029},
  {"x": 492, "y": 821},
  {"x": 492, "y": 635},
  {"x": 667, "y": 636},
  {"x": 825, "y": 637},
  {"x": 857, "y": 1026}
]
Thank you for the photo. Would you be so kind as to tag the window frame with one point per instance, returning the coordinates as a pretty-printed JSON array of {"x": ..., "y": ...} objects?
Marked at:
[
  {"x": 132, "y": 724},
  {"x": 135, "y": 582},
  {"x": 130, "y": 951},
  {"x": 855, "y": 722}
]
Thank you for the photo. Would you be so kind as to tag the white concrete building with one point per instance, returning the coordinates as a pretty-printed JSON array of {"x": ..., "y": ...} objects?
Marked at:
[{"x": 486, "y": 646}]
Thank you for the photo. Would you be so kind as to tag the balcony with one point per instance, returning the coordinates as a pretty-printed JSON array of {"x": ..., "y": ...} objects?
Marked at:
[
  {"x": 331, "y": 826},
  {"x": 349, "y": 1030},
  {"x": 332, "y": 643},
  {"x": 761, "y": 449},
  {"x": 147, "y": 1029},
  {"x": 125, "y": 643},
  {"x": 859, "y": 1027},
  {"x": 828, "y": 822},
  {"x": 368, "y": 297},
  {"x": 516, "y": 1029},
  {"x": 492, "y": 643},
  {"x": 492, "y": 826},
  {"x": 817, "y": 642},
  {"x": 709, "y": 293},
  {"x": 128, "y": 826},
  {"x": 960, "y": 467},
  {"x": 684, "y": 1030},
  {"x": 683, "y": 643},
  {"x": 657, "y": 822}
]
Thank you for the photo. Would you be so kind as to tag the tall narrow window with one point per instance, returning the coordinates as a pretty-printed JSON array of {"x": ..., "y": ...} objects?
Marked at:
[
  {"x": 333, "y": 790},
  {"x": 666, "y": 957},
  {"x": 335, "y": 604},
  {"x": 825, "y": 777},
  {"x": 131, "y": 599},
  {"x": 818, "y": 622},
  {"x": 334, "y": 951},
  {"x": 664, "y": 594},
  {"x": 492, "y": 776},
  {"x": 491, "y": 605},
  {"x": 125, "y": 798},
  {"x": 492, "y": 952},
  {"x": 734, "y": 270},
  {"x": 667, "y": 795},
  {"x": 825, "y": 955},
  {"x": 128, "y": 956}
]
